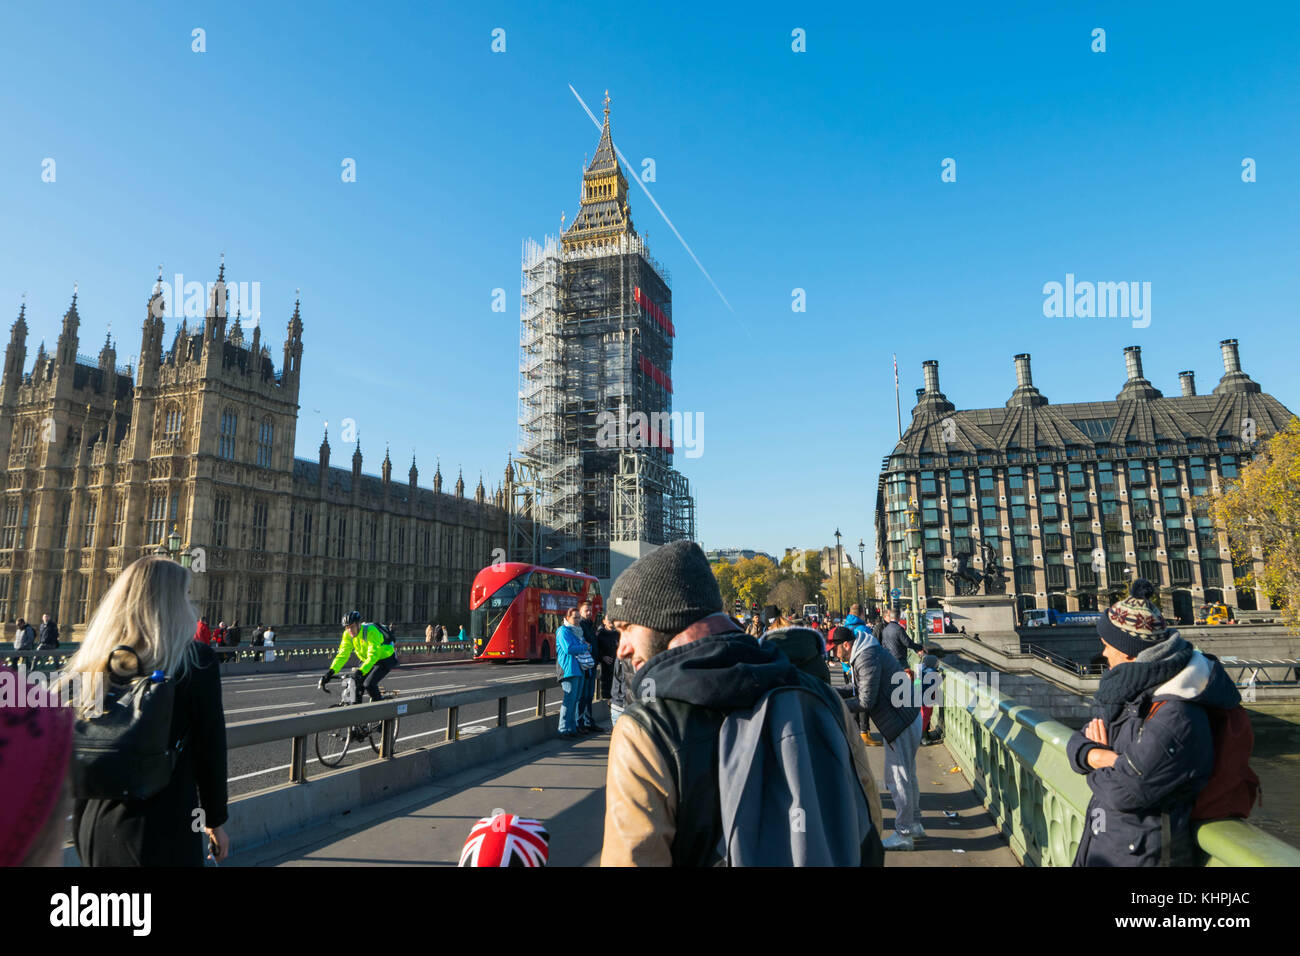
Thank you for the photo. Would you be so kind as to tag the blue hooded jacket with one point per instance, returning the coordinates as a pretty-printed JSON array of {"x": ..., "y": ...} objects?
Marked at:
[{"x": 569, "y": 645}]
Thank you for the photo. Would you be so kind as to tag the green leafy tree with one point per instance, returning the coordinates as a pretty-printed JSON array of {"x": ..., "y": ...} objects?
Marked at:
[
  {"x": 1261, "y": 513},
  {"x": 754, "y": 579}
]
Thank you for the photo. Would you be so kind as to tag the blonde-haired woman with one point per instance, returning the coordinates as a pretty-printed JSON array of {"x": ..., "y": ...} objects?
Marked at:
[{"x": 148, "y": 609}]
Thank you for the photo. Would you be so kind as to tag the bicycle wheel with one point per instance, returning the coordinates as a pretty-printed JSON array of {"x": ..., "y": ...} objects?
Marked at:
[{"x": 332, "y": 745}]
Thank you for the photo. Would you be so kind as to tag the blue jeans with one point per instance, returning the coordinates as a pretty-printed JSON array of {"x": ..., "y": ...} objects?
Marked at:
[
  {"x": 572, "y": 686},
  {"x": 584, "y": 699}
]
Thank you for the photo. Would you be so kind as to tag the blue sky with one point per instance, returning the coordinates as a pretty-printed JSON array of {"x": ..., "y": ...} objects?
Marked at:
[{"x": 817, "y": 170}]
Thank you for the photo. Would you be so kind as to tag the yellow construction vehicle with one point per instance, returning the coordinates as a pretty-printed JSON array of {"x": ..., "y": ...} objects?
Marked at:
[{"x": 1214, "y": 614}]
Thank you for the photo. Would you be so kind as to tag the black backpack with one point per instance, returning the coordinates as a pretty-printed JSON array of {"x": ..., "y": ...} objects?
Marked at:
[
  {"x": 126, "y": 752},
  {"x": 388, "y": 635}
]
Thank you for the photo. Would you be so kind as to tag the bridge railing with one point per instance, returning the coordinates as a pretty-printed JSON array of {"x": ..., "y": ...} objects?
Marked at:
[
  {"x": 1016, "y": 762},
  {"x": 57, "y": 657},
  {"x": 298, "y": 728}
]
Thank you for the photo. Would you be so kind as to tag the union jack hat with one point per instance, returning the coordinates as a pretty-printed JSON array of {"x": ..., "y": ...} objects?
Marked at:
[{"x": 506, "y": 840}]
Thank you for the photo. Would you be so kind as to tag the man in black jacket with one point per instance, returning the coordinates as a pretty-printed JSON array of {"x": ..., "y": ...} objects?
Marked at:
[
  {"x": 605, "y": 648},
  {"x": 694, "y": 667},
  {"x": 49, "y": 634},
  {"x": 883, "y": 690},
  {"x": 894, "y": 639}
]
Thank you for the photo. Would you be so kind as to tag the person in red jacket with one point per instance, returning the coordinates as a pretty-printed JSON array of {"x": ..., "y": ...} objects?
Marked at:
[{"x": 202, "y": 632}]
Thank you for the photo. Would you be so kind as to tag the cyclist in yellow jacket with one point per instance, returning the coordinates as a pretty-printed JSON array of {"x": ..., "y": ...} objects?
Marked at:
[{"x": 372, "y": 648}]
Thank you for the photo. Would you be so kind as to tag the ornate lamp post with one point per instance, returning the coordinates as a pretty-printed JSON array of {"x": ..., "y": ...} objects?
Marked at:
[
  {"x": 170, "y": 547},
  {"x": 914, "y": 549},
  {"x": 862, "y": 572},
  {"x": 839, "y": 571}
]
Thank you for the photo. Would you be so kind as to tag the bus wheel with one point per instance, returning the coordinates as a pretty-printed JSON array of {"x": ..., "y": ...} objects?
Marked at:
[{"x": 546, "y": 652}]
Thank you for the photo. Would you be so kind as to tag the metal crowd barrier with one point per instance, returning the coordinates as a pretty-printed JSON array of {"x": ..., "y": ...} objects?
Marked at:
[{"x": 300, "y": 727}]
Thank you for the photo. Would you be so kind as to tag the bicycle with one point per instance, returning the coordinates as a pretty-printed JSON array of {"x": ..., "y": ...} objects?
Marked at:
[{"x": 332, "y": 745}]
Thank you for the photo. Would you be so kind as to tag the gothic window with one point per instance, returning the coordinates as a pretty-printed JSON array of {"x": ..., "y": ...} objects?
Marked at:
[
  {"x": 29, "y": 435},
  {"x": 220, "y": 520},
  {"x": 4, "y": 598},
  {"x": 173, "y": 421},
  {"x": 88, "y": 523},
  {"x": 253, "y": 608},
  {"x": 82, "y": 589},
  {"x": 343, "y": 534},
  {"x": 61, "y": 530},
  {"x": 119, "y": 519},
  {"x": 229, "y": 425},
  {"x": 156, "y": 529},
  {"x": 22, "y": 524},
  {"x": 11, "y": 523},
  {"x": 259, "y": 528},
  {"x": 265, "y": 439},
  {"x": 304, "y": 588},
  {"x": 216, "y": 594},
  {"x": 306, "y": 537}
]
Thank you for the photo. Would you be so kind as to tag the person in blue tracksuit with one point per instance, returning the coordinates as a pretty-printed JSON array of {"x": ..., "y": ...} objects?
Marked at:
[{"x": 570, "y": 650}]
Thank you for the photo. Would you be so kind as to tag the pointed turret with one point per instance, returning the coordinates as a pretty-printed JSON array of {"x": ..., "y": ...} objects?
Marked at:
[
  {"x": 151, "y": 336},
  {"x": 108, "y": 358},
  {"x": 293, "y": 345},
  {"x": 510, "y": 470},
  {"x": 460, "y": 484},
  {"x": 386, "y": 470},
  {"x": 68, "y": 337},
  {"x": 356, "y": 460},
  {"x": 437, "y": 477},
  {"x": 215, "y": 328},
  {"x": 324, "y": 454},
  {"x": 16, "y": 351},
  {"x": 414, "y": 473},
  {"x": 603, "y": 212},
  {"x": 479, "y": 493},
  {"x": 237, "y": 331}
]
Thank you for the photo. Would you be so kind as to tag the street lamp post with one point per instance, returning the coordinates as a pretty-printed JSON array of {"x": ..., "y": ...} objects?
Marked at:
[
  {"x": 170, "y": 547},
  {"x": 839, "y": 571},
  {"x": 862, "y": 572},
  {"x": 914, "y": 547}
]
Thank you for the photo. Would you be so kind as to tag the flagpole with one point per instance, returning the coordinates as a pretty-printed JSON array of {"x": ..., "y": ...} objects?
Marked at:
[{"x": 898, "y": 409}]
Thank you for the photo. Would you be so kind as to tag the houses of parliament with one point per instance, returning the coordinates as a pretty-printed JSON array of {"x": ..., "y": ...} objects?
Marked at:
[{"x": 104, "y": 462}]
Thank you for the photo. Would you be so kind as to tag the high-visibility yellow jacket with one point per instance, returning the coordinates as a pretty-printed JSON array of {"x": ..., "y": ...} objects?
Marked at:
[{"x": 368, "y": 645}]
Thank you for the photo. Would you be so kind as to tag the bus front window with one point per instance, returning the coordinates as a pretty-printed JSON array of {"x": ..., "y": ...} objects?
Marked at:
[{"x": 487, "y": 617}]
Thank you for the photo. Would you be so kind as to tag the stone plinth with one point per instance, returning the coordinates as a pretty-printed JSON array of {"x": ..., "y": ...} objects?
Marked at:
[{"x": 991, "y": 616}]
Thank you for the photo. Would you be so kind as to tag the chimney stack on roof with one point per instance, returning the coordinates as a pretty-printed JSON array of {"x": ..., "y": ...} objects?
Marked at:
[
  {"x": 1188, "y": 380},
  {"x": 1133, "y": 362},
  {"x": 1231, "y": 358},
  {"x": 930, "y": 369},
  {"x": 1024, "y": 377}
]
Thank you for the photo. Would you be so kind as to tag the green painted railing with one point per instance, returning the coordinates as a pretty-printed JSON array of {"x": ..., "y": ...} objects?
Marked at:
[{"x": 1015, "y": 761}]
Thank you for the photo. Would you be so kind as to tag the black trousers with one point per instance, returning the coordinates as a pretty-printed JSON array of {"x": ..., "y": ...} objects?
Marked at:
[
  {"x": 606, "y": 681},
  {"x": 378, "y": 673}
]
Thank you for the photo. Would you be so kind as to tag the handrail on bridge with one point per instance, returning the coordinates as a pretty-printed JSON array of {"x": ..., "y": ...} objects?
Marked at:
[
  {"x": 1015, "y": 759},
  {"x": 299, "y": 727}
]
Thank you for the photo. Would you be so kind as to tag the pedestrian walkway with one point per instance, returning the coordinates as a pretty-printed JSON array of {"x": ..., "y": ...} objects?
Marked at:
[{"x": 563, "y": 784}]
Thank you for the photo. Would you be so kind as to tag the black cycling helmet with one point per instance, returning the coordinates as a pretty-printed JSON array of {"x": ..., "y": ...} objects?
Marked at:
[{"x": 352, "y": 617}]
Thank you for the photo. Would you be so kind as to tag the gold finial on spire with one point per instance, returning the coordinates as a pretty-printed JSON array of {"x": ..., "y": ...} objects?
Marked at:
[{"x": 607, "y": 105}]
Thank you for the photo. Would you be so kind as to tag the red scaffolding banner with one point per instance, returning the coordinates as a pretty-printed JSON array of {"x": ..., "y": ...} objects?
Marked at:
[
  {"x": 648, "y": 368},
  {"x": 656, "y": 313}
]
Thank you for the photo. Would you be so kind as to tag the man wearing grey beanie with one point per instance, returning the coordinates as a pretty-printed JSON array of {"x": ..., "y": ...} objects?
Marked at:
[{"x": 701, "y": 699}]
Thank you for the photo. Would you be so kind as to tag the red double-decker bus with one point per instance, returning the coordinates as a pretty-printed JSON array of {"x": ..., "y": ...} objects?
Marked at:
[{"x": 515, "y": 609}]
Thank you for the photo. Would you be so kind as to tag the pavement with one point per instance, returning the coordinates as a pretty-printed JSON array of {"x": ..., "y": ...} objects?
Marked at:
[{"x": 562, "y": 783}]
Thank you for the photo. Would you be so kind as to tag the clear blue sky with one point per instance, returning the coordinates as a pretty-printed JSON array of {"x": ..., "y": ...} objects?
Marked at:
[{"x": 817, "y": 170}]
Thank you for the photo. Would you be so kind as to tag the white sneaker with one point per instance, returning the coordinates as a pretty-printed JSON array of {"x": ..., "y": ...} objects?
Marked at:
[
  {"x": 899, "y": 841},
  {"x": 917, "y": 832}
]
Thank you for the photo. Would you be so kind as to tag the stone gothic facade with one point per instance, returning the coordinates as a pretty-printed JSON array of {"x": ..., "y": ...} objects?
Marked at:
[{"x": 104, "y": 462}]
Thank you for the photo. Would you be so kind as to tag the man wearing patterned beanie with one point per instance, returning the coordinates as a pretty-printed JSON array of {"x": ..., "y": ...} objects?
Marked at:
[
  {"x": 709, "y": 765},
  {"x": 1149, "y": 750}
]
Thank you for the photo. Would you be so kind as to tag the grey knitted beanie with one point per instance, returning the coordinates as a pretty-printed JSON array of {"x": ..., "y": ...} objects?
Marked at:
[{"x": 668, "y": 590}]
